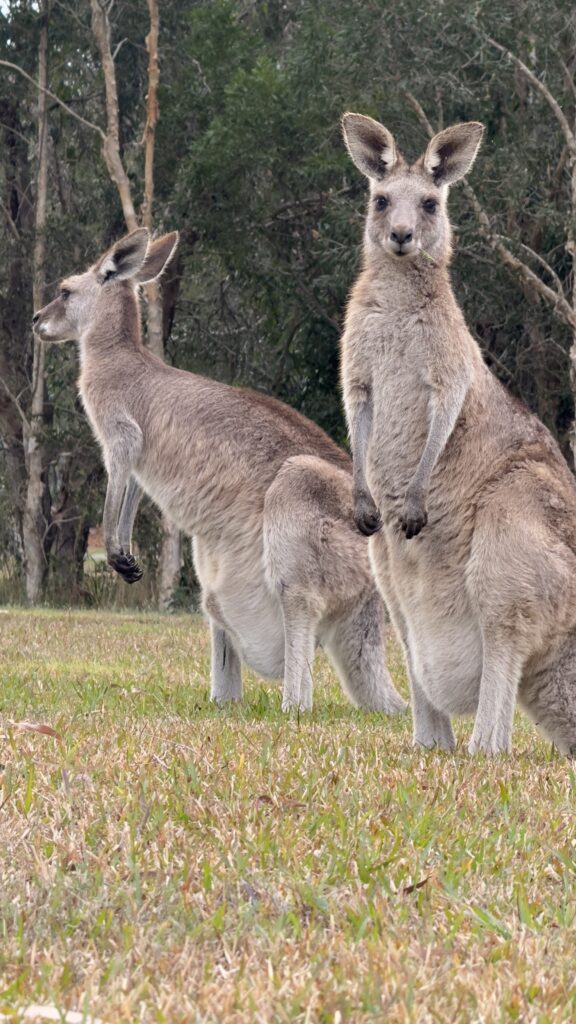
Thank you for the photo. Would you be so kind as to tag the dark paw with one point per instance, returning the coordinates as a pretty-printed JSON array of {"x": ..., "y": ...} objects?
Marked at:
[
  {"x": 126, "y": 566},
  {"x": 368, "y": 522},
  {"x": 367, "y": 517},
  {"x": 413, "y": 519}
]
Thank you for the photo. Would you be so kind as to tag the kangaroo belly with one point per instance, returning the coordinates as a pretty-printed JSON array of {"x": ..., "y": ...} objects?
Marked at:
[
  {"x": 429, "y": 601},
  {"x": 237, "y": 596},
  {"x": 447, "y": 659}
]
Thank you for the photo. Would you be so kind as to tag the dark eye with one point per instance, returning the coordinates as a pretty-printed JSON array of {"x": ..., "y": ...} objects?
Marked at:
[
  {"x": 381, "y": 202},
  {"x": 430, "y": 205},
  {"x": 64, "y": 294}
]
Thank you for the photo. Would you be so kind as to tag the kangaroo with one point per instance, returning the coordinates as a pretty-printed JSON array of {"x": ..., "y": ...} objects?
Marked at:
[
  {"x": 469, "y": 503},
  {"x": 265, "y": 494}
]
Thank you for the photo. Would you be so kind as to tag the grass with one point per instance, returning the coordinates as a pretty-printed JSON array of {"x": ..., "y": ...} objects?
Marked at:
[{"x": 163, "y": 860}]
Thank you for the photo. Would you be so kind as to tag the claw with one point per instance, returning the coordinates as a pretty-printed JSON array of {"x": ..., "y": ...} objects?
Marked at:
[
  {"x": 412, "y": 521},
  {"x": 368, "y": 523},
  {"x": 366, "y": 514},
  {"x": 126, "y": 566}
]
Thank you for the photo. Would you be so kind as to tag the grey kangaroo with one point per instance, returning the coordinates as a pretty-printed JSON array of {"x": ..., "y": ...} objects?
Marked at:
[
  {"x": 266, "y": 495},
  {"x": 470, "y": 502}
]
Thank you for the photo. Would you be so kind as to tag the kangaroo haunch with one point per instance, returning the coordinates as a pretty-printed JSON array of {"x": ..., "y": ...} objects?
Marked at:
[
  {"x": 476, "y": 555},
  {"x": 266, "y": 495}
]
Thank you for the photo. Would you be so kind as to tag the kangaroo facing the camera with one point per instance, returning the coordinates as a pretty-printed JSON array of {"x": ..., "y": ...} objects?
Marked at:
[
  {"x": 470, "y": 502},
  {"x": 266, "y": 495}
]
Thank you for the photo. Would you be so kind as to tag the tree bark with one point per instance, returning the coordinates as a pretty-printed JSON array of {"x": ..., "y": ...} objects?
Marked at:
[
  {"x": 170, "y": 556},
  {"x": 111, "y": 144},
  {"x": 171, "y": 544},
  {"x": 34, "y": 525}
]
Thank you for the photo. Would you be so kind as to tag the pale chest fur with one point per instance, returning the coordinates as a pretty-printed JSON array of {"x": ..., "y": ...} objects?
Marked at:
[
  {"x": 398, "y": 384},
  {"x": 409, "y": 366},
  {"x": 95, "y": 415}
]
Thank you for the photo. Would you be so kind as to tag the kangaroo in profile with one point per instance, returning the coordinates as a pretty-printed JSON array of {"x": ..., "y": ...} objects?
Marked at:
[
  {"x": 471, "y": 504},
  {"x": 266, "y": 495}
]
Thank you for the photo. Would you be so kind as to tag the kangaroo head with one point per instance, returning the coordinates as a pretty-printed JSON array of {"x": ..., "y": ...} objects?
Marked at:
[
  {"x": 407, "y": 213},
  {"x": 81, "y": 298}
]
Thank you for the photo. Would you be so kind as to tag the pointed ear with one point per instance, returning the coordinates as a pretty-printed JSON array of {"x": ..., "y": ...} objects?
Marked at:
[
  {"x": 159, "y": 254},
  {"x": 451, "y": 153},
  {"x": 125, "y": 258},
  {"x": 370, "y": 145}
]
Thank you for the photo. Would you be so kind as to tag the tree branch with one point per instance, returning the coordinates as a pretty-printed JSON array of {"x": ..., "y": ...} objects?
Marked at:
[
  {"x": 539, "y": 259},
  {"x": 82, "y": 120},
  {"x": 111, "y": 146},
  {"x": 419, "y": 111},
  {"x": 559, "y": 303},
  {"x": 13, "y": 229},
  {"x": 542, "y": 89},
  {"x": 557, "y": 300},
  {"x": 16, "y": 402}
]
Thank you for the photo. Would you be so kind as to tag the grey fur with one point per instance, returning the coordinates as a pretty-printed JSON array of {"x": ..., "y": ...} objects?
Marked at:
[
  {"x": 476, "y": 555},
  {"x": 266, "y": 495}
]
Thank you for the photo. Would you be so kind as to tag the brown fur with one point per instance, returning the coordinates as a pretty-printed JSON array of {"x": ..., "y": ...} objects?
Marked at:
[
  {"x": 225, "y": 464},
  {"x": 476, "y": 555}
]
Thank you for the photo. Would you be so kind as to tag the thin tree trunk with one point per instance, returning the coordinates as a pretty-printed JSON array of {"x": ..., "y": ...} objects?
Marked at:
[
  {"x": 171, "y": 546},
  {"x": 33, "y": 519},
  {"x": 571, "y": 249},
  {"x": 170, "y": 557},
  {"x": 111, "y": 144}
]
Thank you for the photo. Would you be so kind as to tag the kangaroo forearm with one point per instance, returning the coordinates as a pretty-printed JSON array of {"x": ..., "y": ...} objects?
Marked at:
[
  {"x": 112, "y": 505},
  {"x": 132, "y": 498},
  {"x": 120, "y": 560},
  {"x": 360, "y": 430},
  {"x": 442, "y": 423},
  {"x": 121, "y": 456},
  {"x": 366, "y": 514}
]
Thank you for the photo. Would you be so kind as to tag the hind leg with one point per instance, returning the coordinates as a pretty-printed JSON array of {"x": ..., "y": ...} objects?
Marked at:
[
  {"x": 300, "y": 644},
  {"x": 501, "y": 675},
  {"x": 431, "y": 728},
  {"x": 226, "y": 675},
  {"x": 355, "y": 645},
  {"x": 520, "y": 581},
  {"x": 549, "y": 697}
]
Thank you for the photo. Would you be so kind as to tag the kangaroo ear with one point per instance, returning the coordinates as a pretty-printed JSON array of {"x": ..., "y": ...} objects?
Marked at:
[
  {"x": 159, "y": 254},
  {"x": 452, "y": 152},
  {"x": 370, "y": 145},
  {"x": 125, "y": 258}
]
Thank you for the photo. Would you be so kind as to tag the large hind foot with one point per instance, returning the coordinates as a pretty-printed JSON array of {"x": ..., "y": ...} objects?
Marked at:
[
  {"x": 432, "y": 728},
  {"x": 226, "y": 669}
]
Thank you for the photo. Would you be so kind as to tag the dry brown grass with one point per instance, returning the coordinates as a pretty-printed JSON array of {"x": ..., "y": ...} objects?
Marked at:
[{"x": 167, "y": 861}]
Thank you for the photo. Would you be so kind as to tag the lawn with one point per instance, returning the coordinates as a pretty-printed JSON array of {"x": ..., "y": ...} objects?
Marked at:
[{"x": 164, "y": 860}]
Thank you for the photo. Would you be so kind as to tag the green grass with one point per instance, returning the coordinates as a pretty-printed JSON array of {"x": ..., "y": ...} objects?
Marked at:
[{"x": 168, "y": 861}]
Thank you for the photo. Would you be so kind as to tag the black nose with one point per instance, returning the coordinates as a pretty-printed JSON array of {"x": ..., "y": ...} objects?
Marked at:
[
  {"x": 35, "y": 318},
  {"x": 401, "y": 235}
]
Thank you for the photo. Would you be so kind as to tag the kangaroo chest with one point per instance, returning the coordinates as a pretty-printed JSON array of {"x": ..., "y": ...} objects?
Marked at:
[{"x": 400, "y": 399}]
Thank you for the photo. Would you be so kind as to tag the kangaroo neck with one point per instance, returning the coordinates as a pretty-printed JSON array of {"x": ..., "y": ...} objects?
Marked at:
[
  {"x": 408, "y": 281},
  {"x": 115, "y": 333}
]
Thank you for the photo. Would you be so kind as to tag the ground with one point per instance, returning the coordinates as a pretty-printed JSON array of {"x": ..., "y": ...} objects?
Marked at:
[{"x": 164, "y": 860}]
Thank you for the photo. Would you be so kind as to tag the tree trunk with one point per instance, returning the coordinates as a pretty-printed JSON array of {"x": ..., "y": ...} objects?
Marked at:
[
  {"x": 170, "y": 556},
  {"x": 571, "y": 249},
  {"x": 34, "y": 526},
  {"x": 171, "y": 546}
]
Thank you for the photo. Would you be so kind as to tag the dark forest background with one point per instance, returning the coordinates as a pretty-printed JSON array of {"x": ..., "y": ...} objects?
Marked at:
[{"x": 250, "y": 167}]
